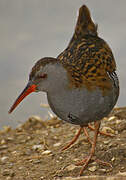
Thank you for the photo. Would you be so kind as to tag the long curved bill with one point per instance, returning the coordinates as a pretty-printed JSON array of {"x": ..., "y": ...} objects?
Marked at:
[{"x": 28, "y": 89}]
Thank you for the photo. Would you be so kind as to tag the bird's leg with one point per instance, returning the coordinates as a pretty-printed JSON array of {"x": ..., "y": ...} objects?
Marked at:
[
  {"x": 86, "y": 161},
  {"x": 73, "y": 140},
  {"x": 99, "y": 132},
  {"x": 73, "y": 118},
  {"x": 76, "y": 137},
  {"x": 87, "y": 135}
]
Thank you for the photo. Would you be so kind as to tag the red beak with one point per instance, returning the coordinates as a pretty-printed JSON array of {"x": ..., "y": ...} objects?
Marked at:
[{"x": 28, "y": 89}]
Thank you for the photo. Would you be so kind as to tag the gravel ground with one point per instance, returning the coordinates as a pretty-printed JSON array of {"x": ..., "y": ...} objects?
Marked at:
[{"x": 33, "y": 150}]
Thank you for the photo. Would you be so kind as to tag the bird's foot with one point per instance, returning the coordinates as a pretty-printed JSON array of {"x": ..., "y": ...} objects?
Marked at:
[
  {"x": 84, "y": 163},
  {"x": 100, "y": 132},
  {"x": 90, "y": 157}
]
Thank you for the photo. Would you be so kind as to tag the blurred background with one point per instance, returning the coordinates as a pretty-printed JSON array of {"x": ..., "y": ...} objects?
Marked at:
[{"x": 33, "y": 29}]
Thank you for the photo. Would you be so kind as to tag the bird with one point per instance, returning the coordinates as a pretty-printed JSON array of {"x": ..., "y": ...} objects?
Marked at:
[{"x": 81, "y": 83}]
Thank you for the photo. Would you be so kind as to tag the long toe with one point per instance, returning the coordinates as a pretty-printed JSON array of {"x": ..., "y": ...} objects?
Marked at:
[
  {"x": 84, "y": 163},
  {"x": 100, "y": 132}
]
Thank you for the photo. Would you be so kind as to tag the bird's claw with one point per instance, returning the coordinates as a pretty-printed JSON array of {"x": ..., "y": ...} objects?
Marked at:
[{"x": 86, "y": 161}]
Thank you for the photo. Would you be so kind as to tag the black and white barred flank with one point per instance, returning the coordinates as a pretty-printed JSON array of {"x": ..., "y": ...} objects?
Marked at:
[{"x": 113, "y": 76}]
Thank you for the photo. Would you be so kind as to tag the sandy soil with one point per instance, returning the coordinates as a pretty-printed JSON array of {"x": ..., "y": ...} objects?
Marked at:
[{"x": 33, "y": 150}]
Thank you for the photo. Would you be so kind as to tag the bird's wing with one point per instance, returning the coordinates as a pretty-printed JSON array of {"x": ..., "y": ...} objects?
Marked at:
[{"x": 89, "y": 63}]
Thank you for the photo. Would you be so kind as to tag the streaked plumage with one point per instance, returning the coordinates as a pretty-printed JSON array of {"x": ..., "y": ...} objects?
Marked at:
[{"x": 81, "y": 83}]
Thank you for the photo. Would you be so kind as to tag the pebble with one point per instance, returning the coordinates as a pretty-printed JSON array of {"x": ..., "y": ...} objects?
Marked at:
[
  {"x": 29, "y": 138},
  {"x": 118, "y": 121},
  {"x": 52, "y": 129},
  {"x": 51, "y": 115},
  {"x": 3, "y": 147},
  {"x": 113, "y": 159},
  {"x": 36, "y": 161},
  {"x": 9, "y": 178},
  {"x": 46, "y": 152},
  {"x": 3, "y": 159},
  {"x": 6, "y": 128},
  {"x": 3, "y": 141},
  {"x": 102, "y": 170},
  {"x": 71, "y": 167},
  {"x": 8, "y": 172},
  {"x": 116, "y": 132},
  {"x": 92, "y": 169},
  {"x": 10, "y": 139},
  {"x": 57, "y": 144},
  {"x": 14, "y": 152},
  {"x": 122, "y": 173},
  {"x": 94, "y": 163},
  {"x": 41, "y": 178},
  {"x": 38, "y": 131},
  {"x": 111, "y": 118},
  {"x": 10, "y": 165},
  {"x": 106, "y": 142},
  {"x": 35, "y": 117},
  {"x": 38, "y": 147},
  {"x": 108, "y": 130},
  {"x": 76, "y": 159}
]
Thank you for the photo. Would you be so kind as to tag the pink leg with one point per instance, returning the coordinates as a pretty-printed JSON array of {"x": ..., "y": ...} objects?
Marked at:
[
  {"x": 100, "y": 132},
  {"x": 86, "y": 134},
  {"x": 73, "y": 140},
  {"x": 86, "y": 160}
]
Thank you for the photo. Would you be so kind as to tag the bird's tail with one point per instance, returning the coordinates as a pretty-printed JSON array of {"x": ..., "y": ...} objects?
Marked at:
[{"x": 85, "y": 25}]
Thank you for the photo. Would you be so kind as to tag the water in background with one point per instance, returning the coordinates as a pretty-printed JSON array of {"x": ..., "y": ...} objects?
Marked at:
[{"x": 33, "y": 29}]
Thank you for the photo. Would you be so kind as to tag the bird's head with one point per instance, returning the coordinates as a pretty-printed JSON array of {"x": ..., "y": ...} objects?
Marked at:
[{"x": 42, "y": 78}]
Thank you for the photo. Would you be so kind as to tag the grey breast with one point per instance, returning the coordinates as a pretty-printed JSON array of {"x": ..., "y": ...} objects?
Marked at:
[{"x": 81, "y": 106}]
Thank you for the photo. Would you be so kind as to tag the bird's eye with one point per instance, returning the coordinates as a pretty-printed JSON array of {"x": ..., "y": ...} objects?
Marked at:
[{"x": 42, "y": 76}]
